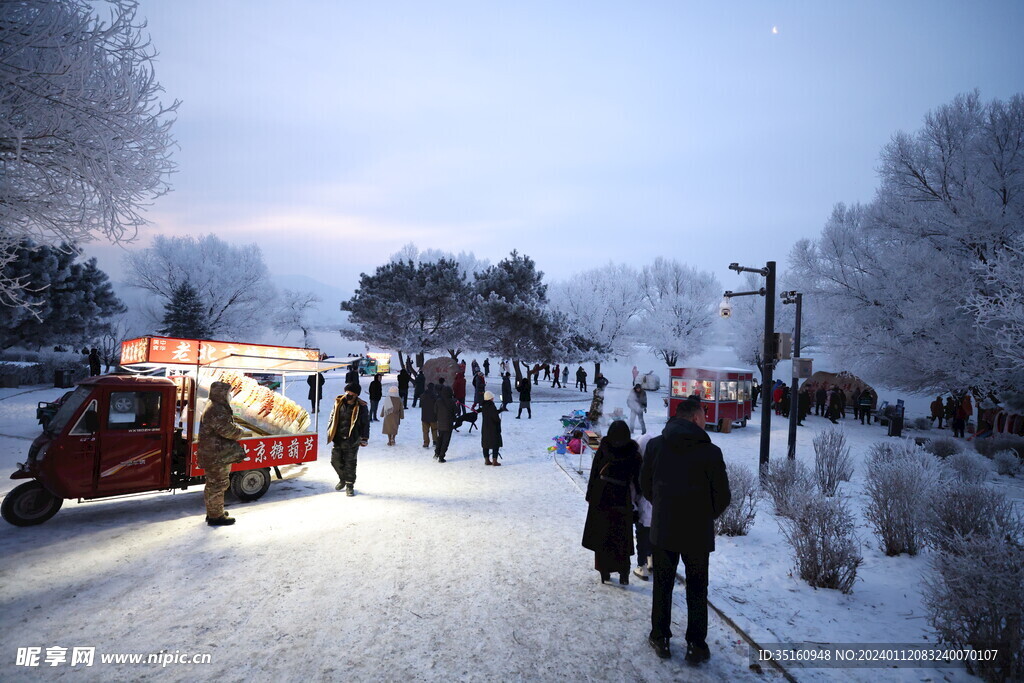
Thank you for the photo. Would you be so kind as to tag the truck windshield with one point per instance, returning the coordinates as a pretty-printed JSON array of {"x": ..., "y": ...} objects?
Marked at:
[{"x": 67, "y": 409}]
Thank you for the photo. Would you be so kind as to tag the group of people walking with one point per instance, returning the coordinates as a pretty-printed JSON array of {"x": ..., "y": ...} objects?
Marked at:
[
  {"x": 826, "y": 401},
  {"x": 955, "y": 412},
  {"x": 671, "y": 488}
]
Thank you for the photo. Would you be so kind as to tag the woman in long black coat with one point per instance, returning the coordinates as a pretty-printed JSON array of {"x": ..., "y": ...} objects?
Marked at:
[
  {"x": 614, "y": 477},
  {"x": 490, "y": 429}
]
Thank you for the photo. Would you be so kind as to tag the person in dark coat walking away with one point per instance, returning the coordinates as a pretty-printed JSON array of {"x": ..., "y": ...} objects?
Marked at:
[
  {"x": 820, "y": 398},
  {"x": 352, "y": 376},
  {"x": 581, "y": 379},
  {"x": 348, "y": 429},
  {"x": 950, "y": 410},
  {"x": 444, "y": 408},
  {"x": 556, "y": 382},
  {"x": 855, "y": 402},
  {"x": 506, "y": 390},
  {"x": 832, "y": 405},
  {"x": 418, "y": 385},
  {"x": 684, "y": 477},
  {"x": 94, "y": 362},
  {"x": 614, "y": 480},
  {"x": 490, "y": 429},
  {"x": 403, "y": 386},
  {"x": 938, "y": 410},
  {"x": 316, "y": 390},
  {"x": 376, "y": 392},
  {"x": 804, "y": 407},
  {"x": 755, "y": 392},
  {"x": 867, "y": 402},
  {"x": 487, "y": 367},
  {"x": 524, "y": 398},
  {"x": 428, "y": 415}
]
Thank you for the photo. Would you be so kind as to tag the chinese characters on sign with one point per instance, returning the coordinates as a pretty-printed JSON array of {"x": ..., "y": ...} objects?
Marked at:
[
  {"x": 270, "y": 451},
  {"x": 196, "y": 351}
]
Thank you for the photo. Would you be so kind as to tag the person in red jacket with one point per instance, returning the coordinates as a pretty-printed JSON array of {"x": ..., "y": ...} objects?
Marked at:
[{"x": 459, "y": 389}]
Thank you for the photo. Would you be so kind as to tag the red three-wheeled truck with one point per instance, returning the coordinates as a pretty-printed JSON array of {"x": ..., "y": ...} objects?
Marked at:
[{"x": 127, "y": 434}]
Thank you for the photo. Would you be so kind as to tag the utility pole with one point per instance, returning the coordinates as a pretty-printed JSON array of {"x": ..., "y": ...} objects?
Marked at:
[
  {"x": 794, "y": 297},
  {"x": 768, "y": 354}
]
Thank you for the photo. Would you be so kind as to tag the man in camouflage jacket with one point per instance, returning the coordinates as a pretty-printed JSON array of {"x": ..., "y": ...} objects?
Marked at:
[
  {"x": 348, "y": 429},
  {"x": 218, "y": 448}
]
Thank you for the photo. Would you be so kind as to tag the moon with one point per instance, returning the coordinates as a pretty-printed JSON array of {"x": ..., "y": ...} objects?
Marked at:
[{"x": 775, "y": 30}]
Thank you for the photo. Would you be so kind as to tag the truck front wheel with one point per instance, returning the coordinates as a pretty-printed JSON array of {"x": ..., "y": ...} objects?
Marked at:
[
  {"x": 30, "y": 504},
  {"x": 250, "y": 484}
]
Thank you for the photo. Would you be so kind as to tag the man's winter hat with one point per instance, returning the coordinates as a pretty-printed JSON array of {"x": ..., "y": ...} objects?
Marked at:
[
  {"x": 488, "y": 396},
  {"x": 618, "y": 433},
  {"x": 354, "y": 388}
]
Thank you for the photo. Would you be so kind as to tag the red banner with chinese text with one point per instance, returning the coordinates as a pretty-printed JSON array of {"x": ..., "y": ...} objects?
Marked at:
[
  {"x": 171, "y": 351},
  {"x": 268, "y": 451}
]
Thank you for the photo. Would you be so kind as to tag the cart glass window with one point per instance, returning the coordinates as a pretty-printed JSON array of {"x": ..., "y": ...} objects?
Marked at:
[
  {"x": 134, "y": 410},
  {"x": 743, "y": 392},
  {"x": 706, "y": 388},
  {"x": 727, "y": 390},
  {"x": 68, "y": 408},
  {"x": 678, "y": 386}
]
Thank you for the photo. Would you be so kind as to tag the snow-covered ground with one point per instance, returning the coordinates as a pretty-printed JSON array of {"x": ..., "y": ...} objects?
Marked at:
[{"x": 451, "y": 571}]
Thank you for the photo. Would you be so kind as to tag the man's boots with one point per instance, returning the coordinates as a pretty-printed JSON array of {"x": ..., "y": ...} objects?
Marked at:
[
  {"x": 220, "y": 521},
  {"x": 350, "y": 490},
  {"x": 487, "y": 460}
]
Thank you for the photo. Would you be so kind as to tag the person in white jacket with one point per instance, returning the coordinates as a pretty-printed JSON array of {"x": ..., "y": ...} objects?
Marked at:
[
  {"x": 643, "y": 526},
  {"x": 637, "y": 404}
]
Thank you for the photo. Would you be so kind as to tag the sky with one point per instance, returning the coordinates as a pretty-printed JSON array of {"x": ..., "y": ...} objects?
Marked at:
[{"x": 331, "y": 133}]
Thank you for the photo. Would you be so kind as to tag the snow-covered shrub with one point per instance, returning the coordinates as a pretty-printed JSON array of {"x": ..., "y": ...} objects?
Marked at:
[
  {"x": 784, "y": 481},
  {"x": 832, "y": 462},
  {"x": 1000, "y": 442},
  {"x": 899, "y": 484},
  {"x": 1007, "y": 462},
  {"x": 737, "y": 519},
  {"x": 821, "y": 533},
  {"x": 921, "y": 423},
  {"x": 967, "y": 467},
  {"x": 959, "y": 510},
  {"x": 975, "y": 598},
  {"x": 943, "y": 446}
]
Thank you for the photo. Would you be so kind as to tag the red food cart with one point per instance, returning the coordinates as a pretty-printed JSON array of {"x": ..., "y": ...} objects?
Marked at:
[
  {"x": 725, "y": 393},
  {"x": 126, "y": 434}
]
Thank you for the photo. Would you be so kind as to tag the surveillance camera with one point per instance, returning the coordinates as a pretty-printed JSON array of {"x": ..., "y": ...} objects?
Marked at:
[{"x": 725, "y": 308}]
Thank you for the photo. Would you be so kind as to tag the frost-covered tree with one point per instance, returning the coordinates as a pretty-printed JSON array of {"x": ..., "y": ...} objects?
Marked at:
[
  {"x": 233, "y": 281},
  {"x": 600, "y": 305},
  {"x": 84, "y": 140},
  {"x": 679, "y": 304},
  {"x": 416, "y": 307},
  {"x": 469, "y": 265},
  {"x": 293, "y": 314},
  {"x": 511, "y": 315},
  {"x": 71, "y": 301},
  {"x": 900, "y": 283},
  {"x": 185, "y": 315}
]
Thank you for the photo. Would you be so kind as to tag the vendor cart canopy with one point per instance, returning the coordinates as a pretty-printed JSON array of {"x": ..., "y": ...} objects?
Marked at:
[{"x": 158, "y": 352}]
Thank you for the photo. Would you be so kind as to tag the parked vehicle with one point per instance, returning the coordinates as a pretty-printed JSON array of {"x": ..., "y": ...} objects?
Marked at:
[{"x": 125, "y": 434}]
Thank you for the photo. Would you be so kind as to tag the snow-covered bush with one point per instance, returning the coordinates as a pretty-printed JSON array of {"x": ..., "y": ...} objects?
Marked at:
[
  {"x": 784, "y": 481},
  {"x": 832, "y": 462},
  {"x": 967, "y": 467},
  {"x": 737, "y": 519},
  {"x": 959, "y": 510},
  {"x": 1000, "y": 442},
  {"x": 921, "y": 423},
  {"x": 943, "y": 446},
  {"x": 975, "y": 598},
  {"x": 899, "y": 484},
  {"x": 1007, "y": 462},
  {"x": 821, "y": 532}
]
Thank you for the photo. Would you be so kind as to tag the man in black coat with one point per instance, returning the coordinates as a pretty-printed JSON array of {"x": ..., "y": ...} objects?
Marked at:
[
  {"x": 376, "y": 392},
  {"x": 524, "y": 398},
  {"x": 684, "y": 477},
  {"x": 820, "y": 397},
  {"x": 352, "y": 376},
  {"x": 418, "y": 385},
  {"x": 348, "y": 430},
  {"x": 444, "y": 410},
  {"x": 403, "y": 386},
  {"x": 316, "y": 390},
  {"x": 490, "y": 429}
]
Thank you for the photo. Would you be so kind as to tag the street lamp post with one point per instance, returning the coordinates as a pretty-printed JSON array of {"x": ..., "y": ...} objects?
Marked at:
[
  {"x": 794, "y": 297},
  {"x": 768, "y": 354}
]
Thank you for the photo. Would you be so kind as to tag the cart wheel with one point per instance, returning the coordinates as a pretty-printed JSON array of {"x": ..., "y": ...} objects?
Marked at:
[
  {"x": 250, "y": 484},
  {"x": 30, "y": 504}
]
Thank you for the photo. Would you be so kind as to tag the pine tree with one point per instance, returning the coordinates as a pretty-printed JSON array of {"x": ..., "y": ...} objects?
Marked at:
[
  {"x": 70, "y": 302},
  {"x": 184, "y": 315}
]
